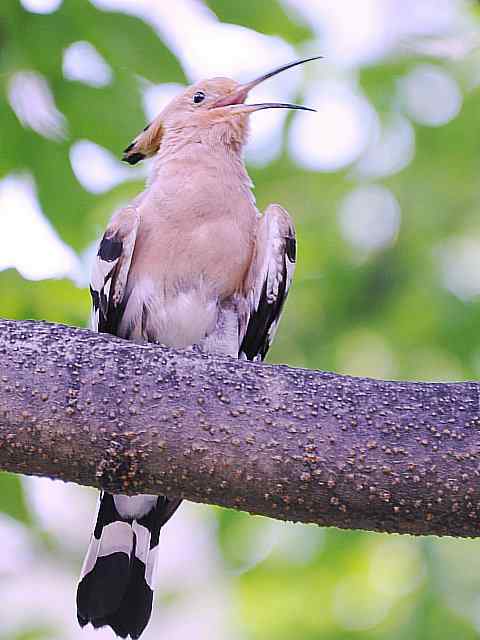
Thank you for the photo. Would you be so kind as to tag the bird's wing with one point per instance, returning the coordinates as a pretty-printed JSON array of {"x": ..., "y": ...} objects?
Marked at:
[
  {"x": 110, "y": 270},
  {"x": 268, "y": 282}
]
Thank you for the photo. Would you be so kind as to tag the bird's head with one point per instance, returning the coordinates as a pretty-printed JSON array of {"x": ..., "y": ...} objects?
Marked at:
[{"x": 216, "y": 106}]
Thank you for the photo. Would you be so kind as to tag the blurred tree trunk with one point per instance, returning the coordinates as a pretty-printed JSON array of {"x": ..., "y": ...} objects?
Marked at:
[{"x": 288, "y": 443}]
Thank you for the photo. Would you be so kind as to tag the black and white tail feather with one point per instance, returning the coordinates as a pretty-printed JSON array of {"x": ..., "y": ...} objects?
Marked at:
[{"x": 116, "y": 583}]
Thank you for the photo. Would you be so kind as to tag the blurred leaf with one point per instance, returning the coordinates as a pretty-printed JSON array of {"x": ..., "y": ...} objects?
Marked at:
[
  {"x": 265, "y": 17},
  {"x": 52, "y": 300},
  {"x": 14, "y": 138},
  {"x": 238, "y": 537},
  {"x": 12, "y": 499},
  {"x": 115, "y": 113},
  {"x": 37, "y": 633}
]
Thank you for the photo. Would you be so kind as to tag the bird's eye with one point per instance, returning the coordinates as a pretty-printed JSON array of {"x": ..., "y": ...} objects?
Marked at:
[{"x": 198, "y": 97}]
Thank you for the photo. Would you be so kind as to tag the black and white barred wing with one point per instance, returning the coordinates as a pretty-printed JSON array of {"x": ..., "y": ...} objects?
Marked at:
[
  {"x": 268, "y": 283},
  {"x": 110, "y": 270}
]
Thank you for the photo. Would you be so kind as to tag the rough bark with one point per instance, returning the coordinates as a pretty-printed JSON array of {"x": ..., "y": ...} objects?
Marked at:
[{"x": 288, "y": 443}]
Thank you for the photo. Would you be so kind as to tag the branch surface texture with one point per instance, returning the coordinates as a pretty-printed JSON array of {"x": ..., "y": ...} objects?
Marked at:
[{"x": 288, "y": 443}]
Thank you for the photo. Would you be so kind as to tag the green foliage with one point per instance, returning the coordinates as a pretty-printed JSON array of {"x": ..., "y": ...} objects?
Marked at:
[
  {"x": 31, "y": 634},
  {"x": 12, "y": 499},
  {"x": 265, "y": 17},
  {"x": 385, "y": 313},
  {"x": 53, "y": 300},
  {"x": 109, "y": 115}
]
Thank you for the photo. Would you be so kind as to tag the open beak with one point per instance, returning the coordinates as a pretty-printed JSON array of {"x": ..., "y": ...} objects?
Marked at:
[{"x": 239, "y": 96}]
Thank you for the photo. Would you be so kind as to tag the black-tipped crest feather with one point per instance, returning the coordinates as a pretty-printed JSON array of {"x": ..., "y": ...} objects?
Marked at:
[{"x": 145, "y": 145}]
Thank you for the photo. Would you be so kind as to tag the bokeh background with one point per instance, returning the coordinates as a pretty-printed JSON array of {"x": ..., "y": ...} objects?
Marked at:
[{"x": 383, "y": 183}]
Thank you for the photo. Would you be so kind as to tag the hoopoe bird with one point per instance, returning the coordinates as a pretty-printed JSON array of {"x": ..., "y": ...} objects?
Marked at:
[{"x": 190, "y": 262}]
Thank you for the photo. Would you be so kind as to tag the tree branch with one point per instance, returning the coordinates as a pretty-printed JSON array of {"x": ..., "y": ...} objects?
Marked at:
[{"x": 288, "y": 443}]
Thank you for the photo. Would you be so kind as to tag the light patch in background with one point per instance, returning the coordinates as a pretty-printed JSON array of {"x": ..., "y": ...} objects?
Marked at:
[
  {"x": 157, "y": 96},
  {"x": 259, "y": 539},
  {"x": 351, "y": 33},
  {"x": 355, "y": 607},
  {"x": 471, "y": 70},
  {"x": 253, "y": 541},
  {"x": 390, "y": 149},
  {"x": 41, "y": 6},
  {"x": 455, "y": 47},
  {"x": 365, "y": 353},
  {"x": 88, "y": 257},
  {"x": 82, "y": 62},
  {"x": 61, "y": 508},
  {"x": 28, "y": 241},
  {"x": 431, "y": 96},
  {"x": 396, "y": 567},
  {"x": 457, "y": 567},
  {"x": 428, "y": 17},
  {"x": 34, "y": 105},
  {"x": 49, "y": 589},
  {"x": 206, "y": 614},
  {"x": 358, "y": 33},
  {"x": 338, "y": 133},
  {"x": 97, "y": 169},
  {"x": 369, "y": 218},
  {"x": 265, "y": 137},
  {"x": 15, "y": 547},
  {"x": 296, "y": 543},
  {"x": 185, "y": 560},
  {"x": 459, "y": 263}
]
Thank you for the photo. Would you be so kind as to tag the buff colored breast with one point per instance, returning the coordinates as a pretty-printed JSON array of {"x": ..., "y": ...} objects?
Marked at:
[{"x": 194, "y": 257}]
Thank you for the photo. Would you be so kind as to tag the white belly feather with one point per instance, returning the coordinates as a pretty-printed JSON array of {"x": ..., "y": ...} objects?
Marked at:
[{"x": 180, "y": 318}]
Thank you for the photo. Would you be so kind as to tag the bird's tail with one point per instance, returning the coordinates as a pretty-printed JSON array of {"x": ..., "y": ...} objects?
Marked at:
[{"x": 116, "y": 583}]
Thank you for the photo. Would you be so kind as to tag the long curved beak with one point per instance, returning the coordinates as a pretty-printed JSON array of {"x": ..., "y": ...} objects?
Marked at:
[{"x": 239, "y": 96}]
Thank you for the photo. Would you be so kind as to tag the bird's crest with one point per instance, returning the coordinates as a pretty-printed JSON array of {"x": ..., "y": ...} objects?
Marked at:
[{"x": 146, "y": 144}]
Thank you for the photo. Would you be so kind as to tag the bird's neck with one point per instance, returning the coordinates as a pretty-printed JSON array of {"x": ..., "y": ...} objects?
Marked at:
[{"x": 202, "y": 161}]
